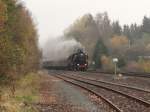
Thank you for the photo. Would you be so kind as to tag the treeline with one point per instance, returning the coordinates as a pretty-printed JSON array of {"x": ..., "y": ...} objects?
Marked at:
[
  {"x": 105, "y": 39},
  {"x": 19, "y": 53}
]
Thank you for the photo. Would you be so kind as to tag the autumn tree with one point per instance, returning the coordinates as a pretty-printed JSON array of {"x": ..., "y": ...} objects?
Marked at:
[
  {"x": 3, "y": 16},
  {"x": 118, "y": 48},
  {"x": 119, "y": 41},
  {"x": 19, "y": 51},
  {"x": 85, "y": 31},
  {"x": 99, "y": 34}
]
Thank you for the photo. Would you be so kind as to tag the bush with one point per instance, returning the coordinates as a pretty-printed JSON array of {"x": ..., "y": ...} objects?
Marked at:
[
  {"x": 145, "y": 65},
  {"x": 107, "y": 63},
  {"x": 121, "y": 62},
  {"x": 133, "y": 66}
]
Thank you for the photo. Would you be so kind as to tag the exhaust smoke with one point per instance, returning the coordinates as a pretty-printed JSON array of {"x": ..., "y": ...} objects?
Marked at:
[{"x": 57, "y": 49}]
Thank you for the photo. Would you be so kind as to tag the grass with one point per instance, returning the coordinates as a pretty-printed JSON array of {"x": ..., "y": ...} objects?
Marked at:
[{"x": 26, "y": 93}]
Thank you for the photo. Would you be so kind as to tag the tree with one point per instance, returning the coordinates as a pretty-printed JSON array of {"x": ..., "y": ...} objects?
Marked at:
[
  {"x": 85, "y": 31},
  {"x": 119, "y": 41},
  {"x": 117, "y": 30},
  {"x": 126, "y": 31},
  {"x": 99, "y": 51},
  {"x": 3, "y": 16},
  {"x": 99, "y": 34},
  {"x": 146, "y": 25},
  {"x": 119, "y": 45},
  {"x": 104, "y": 26},
  {"x": 19, "y": 51},
  {"x": 135, "y": 32}
]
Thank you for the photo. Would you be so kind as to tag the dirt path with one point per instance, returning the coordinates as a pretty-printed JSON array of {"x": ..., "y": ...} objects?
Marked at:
[{"x": 58, "y": 96}]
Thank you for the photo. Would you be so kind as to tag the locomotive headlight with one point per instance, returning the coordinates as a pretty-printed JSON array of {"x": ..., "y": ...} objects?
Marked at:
[{"x": 78, "y": 64}]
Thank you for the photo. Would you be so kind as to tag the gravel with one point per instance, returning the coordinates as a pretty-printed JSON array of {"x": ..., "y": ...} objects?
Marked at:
[
  {"x": 70, "y": 93},
  {"x": 140, "y": 82},
  {"x": 139, "y": 94},
  {"x": 124, "y": 103},
  {"x": 58, "y": 96}
]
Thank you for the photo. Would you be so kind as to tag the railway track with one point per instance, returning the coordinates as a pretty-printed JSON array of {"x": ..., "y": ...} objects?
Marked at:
[
  {"x": 137, "y": 82},
  {"x": 143, "y": 94},
  {"x": 116, "y": 109},
  {"x": 133, "y": 74},
  {"x": 110, "y": 95},
  {"x": 114, "y": 84}
]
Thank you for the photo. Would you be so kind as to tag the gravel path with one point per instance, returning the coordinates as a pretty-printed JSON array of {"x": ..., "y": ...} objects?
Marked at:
[
  {"x": 58, "y": 96},
  {"x": 70, "y": 95}
]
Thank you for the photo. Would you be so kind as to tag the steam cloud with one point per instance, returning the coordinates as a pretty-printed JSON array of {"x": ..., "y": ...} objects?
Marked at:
[{"x": 58, "y": 49}]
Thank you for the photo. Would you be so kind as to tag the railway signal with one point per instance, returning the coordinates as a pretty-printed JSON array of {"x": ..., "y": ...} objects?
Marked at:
[{"x": 115, "y": 61}]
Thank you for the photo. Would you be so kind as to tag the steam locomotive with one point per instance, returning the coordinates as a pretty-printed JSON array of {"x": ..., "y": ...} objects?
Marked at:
[{"x": 78, "y": 61}]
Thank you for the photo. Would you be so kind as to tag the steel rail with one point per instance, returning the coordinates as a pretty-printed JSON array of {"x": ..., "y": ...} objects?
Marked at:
[
  {"x": 113, "y": 90},
  {"x": 132, "y": 74},
  {"x": 115, "y": 84},
  {"x": 91, "y": 91}
]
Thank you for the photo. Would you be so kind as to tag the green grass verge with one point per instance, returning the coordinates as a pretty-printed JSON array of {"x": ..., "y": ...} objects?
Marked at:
[{"x": 26, "y": 93}]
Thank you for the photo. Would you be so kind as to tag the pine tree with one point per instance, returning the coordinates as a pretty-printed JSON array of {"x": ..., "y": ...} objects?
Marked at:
[
  {"x": 117, "y": 30},
  {"x": 99, "y": 51},
  {"x": 146, "y": 25}
]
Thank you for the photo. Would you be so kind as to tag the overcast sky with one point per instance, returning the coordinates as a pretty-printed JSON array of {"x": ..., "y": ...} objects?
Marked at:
[{"x": 53, "y": 16}]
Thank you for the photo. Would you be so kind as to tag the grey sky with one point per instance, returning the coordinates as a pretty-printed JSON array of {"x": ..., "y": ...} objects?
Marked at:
[{"x": 53, "y": 16}]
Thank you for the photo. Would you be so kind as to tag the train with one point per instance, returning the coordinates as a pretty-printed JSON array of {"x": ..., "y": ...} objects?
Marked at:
[{"x": 78, "y": 61}]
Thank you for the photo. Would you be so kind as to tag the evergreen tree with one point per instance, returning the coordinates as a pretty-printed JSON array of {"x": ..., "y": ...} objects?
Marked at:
[
  {"x": 135, "y": 31},
  {"x": 99, "y": 51},
  {"x": 126, "y": 31},
  {"x": 117, "y": 30},
  {"x": 146, "y": 25}
]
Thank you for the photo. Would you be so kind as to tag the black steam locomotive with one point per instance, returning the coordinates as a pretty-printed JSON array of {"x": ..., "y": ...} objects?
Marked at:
[{"x": 78, "y": 61}]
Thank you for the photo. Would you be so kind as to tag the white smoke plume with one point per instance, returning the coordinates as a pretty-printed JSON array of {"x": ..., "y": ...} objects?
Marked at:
[{"x": 57, "y": 49}]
